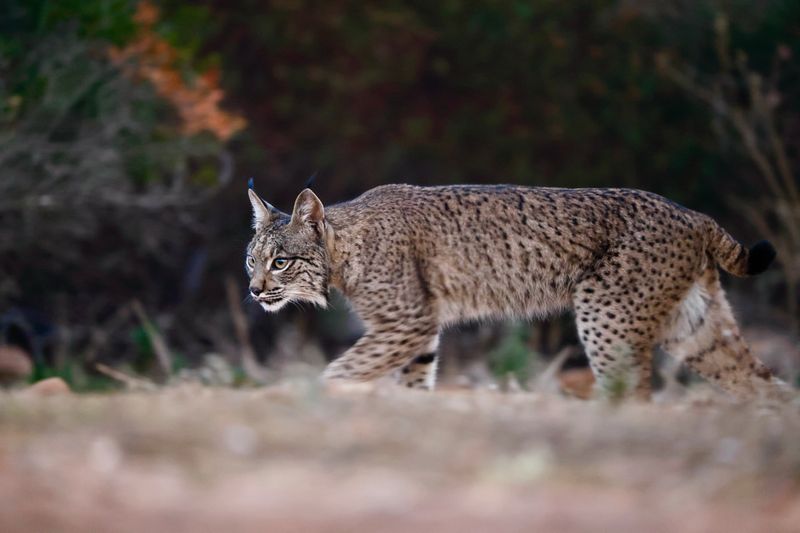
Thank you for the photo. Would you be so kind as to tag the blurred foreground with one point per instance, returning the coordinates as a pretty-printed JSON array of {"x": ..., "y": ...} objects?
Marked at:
[{"x": 294, "y": 457}]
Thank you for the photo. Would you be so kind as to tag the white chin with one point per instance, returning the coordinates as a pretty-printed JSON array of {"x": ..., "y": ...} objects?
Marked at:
[
  {"x": 318, "y": 300},
  {"x": 272, "y": 308}
]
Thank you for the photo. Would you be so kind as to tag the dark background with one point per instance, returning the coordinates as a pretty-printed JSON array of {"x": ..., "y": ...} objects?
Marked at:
[{"x": 128, "y": 130}]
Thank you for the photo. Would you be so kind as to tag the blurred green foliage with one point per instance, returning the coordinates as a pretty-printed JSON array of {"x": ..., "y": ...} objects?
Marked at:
[
  {"x": 25, "y": 21},
  {"x": 100, "y": 185},
  {"x": 555, "y": 93},
  {"x": 75, "y": 375},
  {"x": 513, "y": 356},
  {"x": 558, "y": 93},
  {"x": 86, "y": 150}
]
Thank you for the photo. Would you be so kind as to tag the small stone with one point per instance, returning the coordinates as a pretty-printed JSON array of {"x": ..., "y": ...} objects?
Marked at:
[
  {"x": 15, "y": 365},
  {"x": 50, "y": 387},
  {"x": 578, "y": 382}
]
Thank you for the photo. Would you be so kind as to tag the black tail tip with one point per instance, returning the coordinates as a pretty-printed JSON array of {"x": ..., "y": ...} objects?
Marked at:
[{"x": 760, "y": 257}]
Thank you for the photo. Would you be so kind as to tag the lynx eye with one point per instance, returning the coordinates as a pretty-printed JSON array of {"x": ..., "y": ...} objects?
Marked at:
[
  {"x": 280, "y": 263},
  {"x": 251, "y": 262}
]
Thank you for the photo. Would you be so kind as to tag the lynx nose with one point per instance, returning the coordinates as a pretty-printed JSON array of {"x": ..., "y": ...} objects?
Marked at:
[{"x": 255, "y": 291}]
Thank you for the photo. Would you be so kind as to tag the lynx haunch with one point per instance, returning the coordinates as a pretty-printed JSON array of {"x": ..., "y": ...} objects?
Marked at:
[{"x": 637, "y": 270}]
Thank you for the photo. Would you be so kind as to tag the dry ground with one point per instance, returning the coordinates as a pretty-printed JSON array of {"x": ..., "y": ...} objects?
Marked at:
[{"x": 297, "y": 458}]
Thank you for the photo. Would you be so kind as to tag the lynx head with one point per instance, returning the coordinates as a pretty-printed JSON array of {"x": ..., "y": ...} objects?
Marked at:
[{"x": 287, "y": 259}]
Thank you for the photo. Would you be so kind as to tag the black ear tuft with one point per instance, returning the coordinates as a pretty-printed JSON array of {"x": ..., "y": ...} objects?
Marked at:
[
  {"x": 250, "y": 184},
  {"x": 760, "y": 257},
  {"x": 310, "y": 181}
]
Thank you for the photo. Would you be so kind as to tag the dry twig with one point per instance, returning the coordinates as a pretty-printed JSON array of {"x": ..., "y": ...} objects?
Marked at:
[
  {"x": 778, "y": 218},
  {"x": 547, "y": 381},
  {"x": 131, "y": 382},
  {"x": 247, "y": 353},
  {"x": 156, "y": 339}
]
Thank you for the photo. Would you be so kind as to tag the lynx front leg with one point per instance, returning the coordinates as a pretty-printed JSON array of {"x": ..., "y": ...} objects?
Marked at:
[
  {"x": 383, "y": 350},
  {"x": 420, "y": 373}
]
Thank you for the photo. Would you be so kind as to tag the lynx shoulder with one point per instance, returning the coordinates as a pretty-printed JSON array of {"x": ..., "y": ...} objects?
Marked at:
[{"x": 636, "y": 269}]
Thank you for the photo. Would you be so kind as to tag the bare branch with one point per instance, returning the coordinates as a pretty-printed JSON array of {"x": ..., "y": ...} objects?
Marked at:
[
  {"x": 247, "y": 354},
  {"x": 156, "y": 339},
  {"x": 131, "y": 382}
]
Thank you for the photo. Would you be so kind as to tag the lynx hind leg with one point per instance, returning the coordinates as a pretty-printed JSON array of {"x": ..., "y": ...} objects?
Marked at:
[
  {"x": 703, "y": 333},
  {"x": 622, "y": 367},
  {"x": 618, "y": 343},
  {"x": 420, "y": 373}
]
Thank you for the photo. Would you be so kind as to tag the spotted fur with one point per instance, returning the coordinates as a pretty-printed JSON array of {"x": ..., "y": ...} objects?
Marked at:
[{"x": 637, "y": 269}]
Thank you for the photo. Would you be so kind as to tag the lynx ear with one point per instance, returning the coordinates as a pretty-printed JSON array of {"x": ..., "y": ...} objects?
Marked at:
[
  {"x": 262, "y": 211},
  {"x": 308, "y": 209}
]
